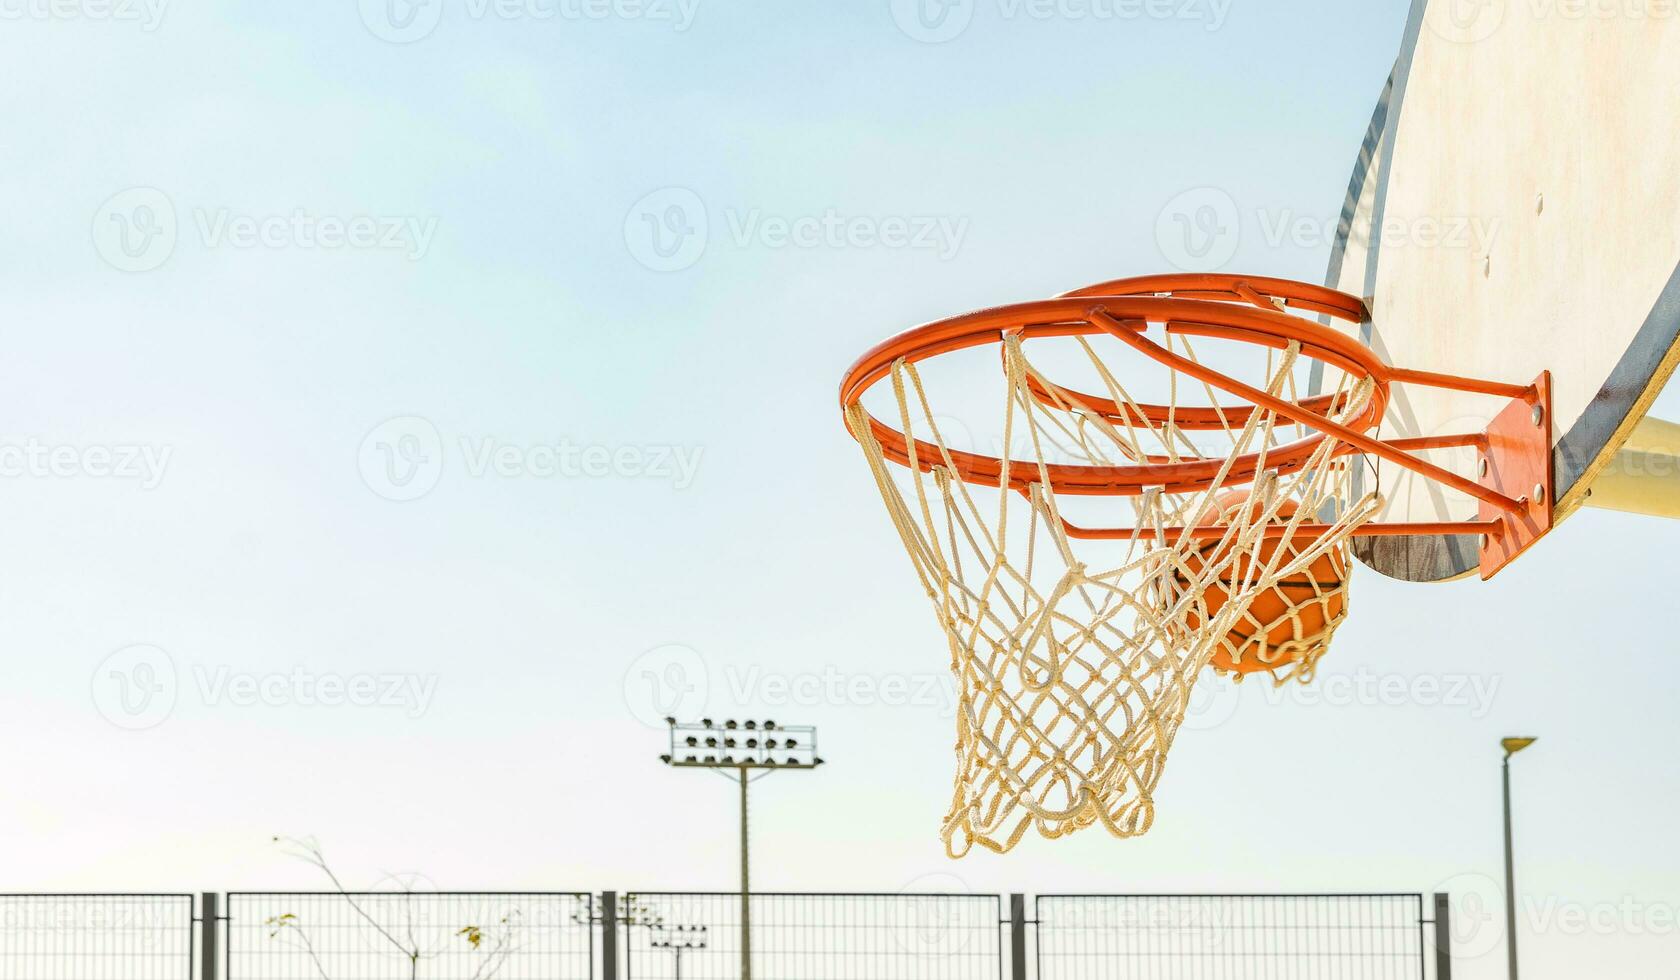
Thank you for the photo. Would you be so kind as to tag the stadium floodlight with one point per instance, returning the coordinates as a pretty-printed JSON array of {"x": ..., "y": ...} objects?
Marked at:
[
  {"x": 798, "y": 753},
  {"x": 679, "y": 940}
]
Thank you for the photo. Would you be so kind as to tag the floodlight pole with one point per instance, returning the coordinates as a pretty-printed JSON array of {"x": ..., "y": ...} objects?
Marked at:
[
  {"x": 742, "y": 746},
  {"x": 1512, "y": 746},
  {"x": 1510, "y": 876},
  {"x": 746, "y": 886}
]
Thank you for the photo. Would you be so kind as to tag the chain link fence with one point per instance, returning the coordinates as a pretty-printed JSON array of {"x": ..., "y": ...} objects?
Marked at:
[{"x": 422, "y": 935}]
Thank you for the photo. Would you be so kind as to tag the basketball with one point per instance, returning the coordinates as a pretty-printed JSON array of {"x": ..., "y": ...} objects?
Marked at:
[{"x": 1288, "y": 623}]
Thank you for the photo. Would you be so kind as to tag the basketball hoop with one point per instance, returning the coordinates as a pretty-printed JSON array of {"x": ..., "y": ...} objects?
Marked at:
[{"x": 1112, "y": 547}]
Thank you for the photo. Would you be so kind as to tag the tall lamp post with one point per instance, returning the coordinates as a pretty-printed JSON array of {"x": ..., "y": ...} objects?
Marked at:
[
  {"x": 742, "y": 746},
  {"x": 1511, "y": 746}
]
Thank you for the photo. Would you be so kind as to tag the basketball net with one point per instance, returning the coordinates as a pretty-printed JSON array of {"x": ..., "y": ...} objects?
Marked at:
[{"x": 1075, "y": 659}]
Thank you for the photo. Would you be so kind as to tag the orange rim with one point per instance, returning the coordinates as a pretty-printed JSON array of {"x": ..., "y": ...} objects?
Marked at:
[
  {"x": 1192, "y": 306},
  {"x": 1256, "y": 291}
]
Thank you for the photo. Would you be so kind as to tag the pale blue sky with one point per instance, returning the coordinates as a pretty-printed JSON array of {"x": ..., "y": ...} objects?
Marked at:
[{"x": 520, "y": 607}]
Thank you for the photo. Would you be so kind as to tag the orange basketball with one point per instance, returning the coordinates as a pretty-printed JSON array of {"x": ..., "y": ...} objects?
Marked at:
[{"x": 1289, "y": 622}]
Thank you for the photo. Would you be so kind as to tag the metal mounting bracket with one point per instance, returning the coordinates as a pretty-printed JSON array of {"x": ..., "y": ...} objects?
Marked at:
[{"x": 1517, "y": 461}]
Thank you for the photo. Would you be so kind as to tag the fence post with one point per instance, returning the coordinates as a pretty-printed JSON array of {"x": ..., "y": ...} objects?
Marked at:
[
  {"x": 210, "y": 961},
  {"x": 1443, "y": 937},
  {"x": 609, "y": 935},
  {"x": 1017, "y": 936}
]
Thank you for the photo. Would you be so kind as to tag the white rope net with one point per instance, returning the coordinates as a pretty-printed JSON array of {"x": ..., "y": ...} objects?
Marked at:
[{"x": 1076, "y": 659}]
